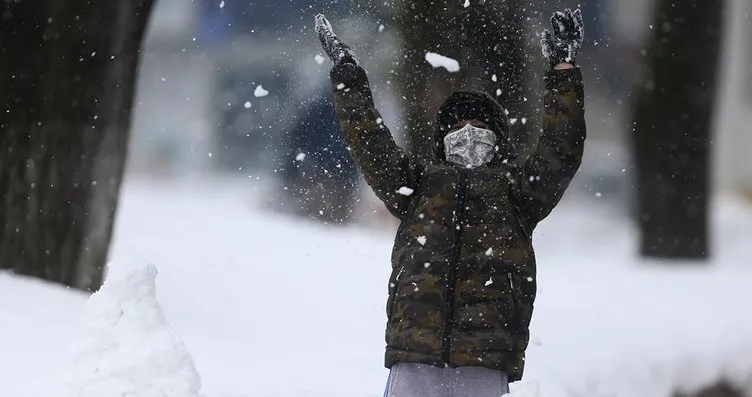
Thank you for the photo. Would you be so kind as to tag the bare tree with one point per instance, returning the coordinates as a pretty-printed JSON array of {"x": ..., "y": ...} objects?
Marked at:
[
  {"x": 672, "y": 128},
  {"x": 68, "y": 72}
]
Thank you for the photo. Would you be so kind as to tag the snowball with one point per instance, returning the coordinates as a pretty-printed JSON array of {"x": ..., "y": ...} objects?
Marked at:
[
  {"x": 319, "y": 59},
  {"x": 127, "y": 348},
  {"x": 247, "y": 104},
  {"x": 405, "y": 191},
  {"x": 422, "y": 240},
  {"x": 260, "y": 91},
  {"x": 300, "y": 156},
  {"x": 437, "y": 60}
]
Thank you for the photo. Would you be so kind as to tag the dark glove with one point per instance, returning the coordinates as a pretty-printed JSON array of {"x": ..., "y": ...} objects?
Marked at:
[
  {"x": 563, "y": 44},
  {"x": 337, "y": 51}
]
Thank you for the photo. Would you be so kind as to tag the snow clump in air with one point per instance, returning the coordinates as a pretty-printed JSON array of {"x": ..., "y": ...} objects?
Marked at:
[
  {"x": 260, "y": 91},
  {"x": 437, "y": 60}
]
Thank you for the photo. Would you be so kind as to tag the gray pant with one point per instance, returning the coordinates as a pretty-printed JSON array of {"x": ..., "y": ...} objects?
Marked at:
[{"x": 421, "y": 380}]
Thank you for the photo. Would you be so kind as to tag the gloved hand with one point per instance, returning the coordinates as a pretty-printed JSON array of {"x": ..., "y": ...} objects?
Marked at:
[
  {"x": 563, "y": 44},
  {"x": 337, "y": 51}
]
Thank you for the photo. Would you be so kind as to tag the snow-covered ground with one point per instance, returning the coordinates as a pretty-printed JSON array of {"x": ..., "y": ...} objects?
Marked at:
[{"x": 269, "y": 306}]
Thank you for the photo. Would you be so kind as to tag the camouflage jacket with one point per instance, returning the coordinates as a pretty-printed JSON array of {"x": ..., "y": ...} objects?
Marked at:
[{"x": 463, "y": 268}]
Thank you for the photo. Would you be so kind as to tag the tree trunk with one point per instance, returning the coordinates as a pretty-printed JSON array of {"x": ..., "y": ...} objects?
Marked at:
[
  {"x": 68, "y": 72},
  {"x": 487, "y": 38},
  {"x": 673, "y": 121}
]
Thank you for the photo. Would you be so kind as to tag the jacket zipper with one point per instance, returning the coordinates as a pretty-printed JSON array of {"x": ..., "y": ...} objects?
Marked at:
[{"x": 452, "y": 271}]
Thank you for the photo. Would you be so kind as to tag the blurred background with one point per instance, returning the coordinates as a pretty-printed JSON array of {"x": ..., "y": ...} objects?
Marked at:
[{"x": 196, "y": 115}]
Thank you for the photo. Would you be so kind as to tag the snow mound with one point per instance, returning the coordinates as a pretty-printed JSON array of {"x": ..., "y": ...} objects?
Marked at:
[
  {"x": 127, "y": 347},
  {"x": 437, "y": 60}
]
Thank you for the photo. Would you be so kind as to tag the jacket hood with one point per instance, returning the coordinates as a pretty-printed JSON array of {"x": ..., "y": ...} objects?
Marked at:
[{"x": 467, "y": 105}]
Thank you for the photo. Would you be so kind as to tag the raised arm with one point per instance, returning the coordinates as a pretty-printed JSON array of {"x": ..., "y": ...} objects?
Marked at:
[
  {"x": 385, "y": 166},
  {"x": 546, "y": 174}
]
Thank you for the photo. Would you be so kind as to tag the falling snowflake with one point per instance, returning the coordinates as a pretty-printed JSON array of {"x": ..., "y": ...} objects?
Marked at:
[
  {"x": 260, "y": 91},
  {"x": 319, "y": 59},
  {"x": 422, "y": 240},
  {"x": 405, "y": 191}
]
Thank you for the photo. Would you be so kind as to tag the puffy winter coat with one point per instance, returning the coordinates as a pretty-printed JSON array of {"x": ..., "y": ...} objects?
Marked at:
[{"x": 463, "y": 268}]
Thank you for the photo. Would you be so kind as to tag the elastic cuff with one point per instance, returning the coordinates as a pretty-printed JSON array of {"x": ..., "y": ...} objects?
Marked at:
[{"x": 555, "y": 78}]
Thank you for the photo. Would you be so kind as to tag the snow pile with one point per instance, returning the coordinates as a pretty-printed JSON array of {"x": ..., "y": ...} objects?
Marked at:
[
  {"x": 127, "y": 347},
  {"x": 437, "y": 60}
]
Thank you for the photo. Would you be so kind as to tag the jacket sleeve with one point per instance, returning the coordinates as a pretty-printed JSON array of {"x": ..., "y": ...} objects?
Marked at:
[
  {"x": 546, "y": 173},
  {"x": 385, "y": 166}
]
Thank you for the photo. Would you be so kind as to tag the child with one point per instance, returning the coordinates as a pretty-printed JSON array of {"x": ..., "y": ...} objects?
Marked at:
[{"x": 463, "y": 268}]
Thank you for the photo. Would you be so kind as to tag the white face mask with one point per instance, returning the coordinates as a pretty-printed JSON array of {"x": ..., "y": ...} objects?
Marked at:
[{"x": 470, "y": 146}]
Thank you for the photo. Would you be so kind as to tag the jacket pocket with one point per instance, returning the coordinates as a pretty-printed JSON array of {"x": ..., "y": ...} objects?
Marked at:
[
  {"x": 393, "y": 288},
  {"x": 523, "y": 293},
  {"x": 515, "y": 301}
]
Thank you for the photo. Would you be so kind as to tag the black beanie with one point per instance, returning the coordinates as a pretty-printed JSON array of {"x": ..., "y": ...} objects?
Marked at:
[{"x": 468, "y": 105}]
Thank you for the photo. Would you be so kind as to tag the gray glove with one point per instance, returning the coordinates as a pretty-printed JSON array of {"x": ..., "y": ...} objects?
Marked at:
[
  {"x": 337, "y": 51},
  {"x": 563, "y": 44}
]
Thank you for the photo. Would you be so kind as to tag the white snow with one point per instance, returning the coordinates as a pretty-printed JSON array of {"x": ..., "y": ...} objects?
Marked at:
[
  {"x": 222, "y": 4},
  {"x": 381, "y": 28},
  {"x": 422, "y": 240},
  {"x": 405, "y": 191},
  {"x": 437, "y": 60},
  {"x": 260, "y": 91},
  {"x": 466, "y": 4},
  {"x": 272, "y": 307},
  {"x": 319, "y": 59},
  {"x": 247, "y": 104},
  {"x": 126, "y": 347},
  {"x": 300, "y": 157}
]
